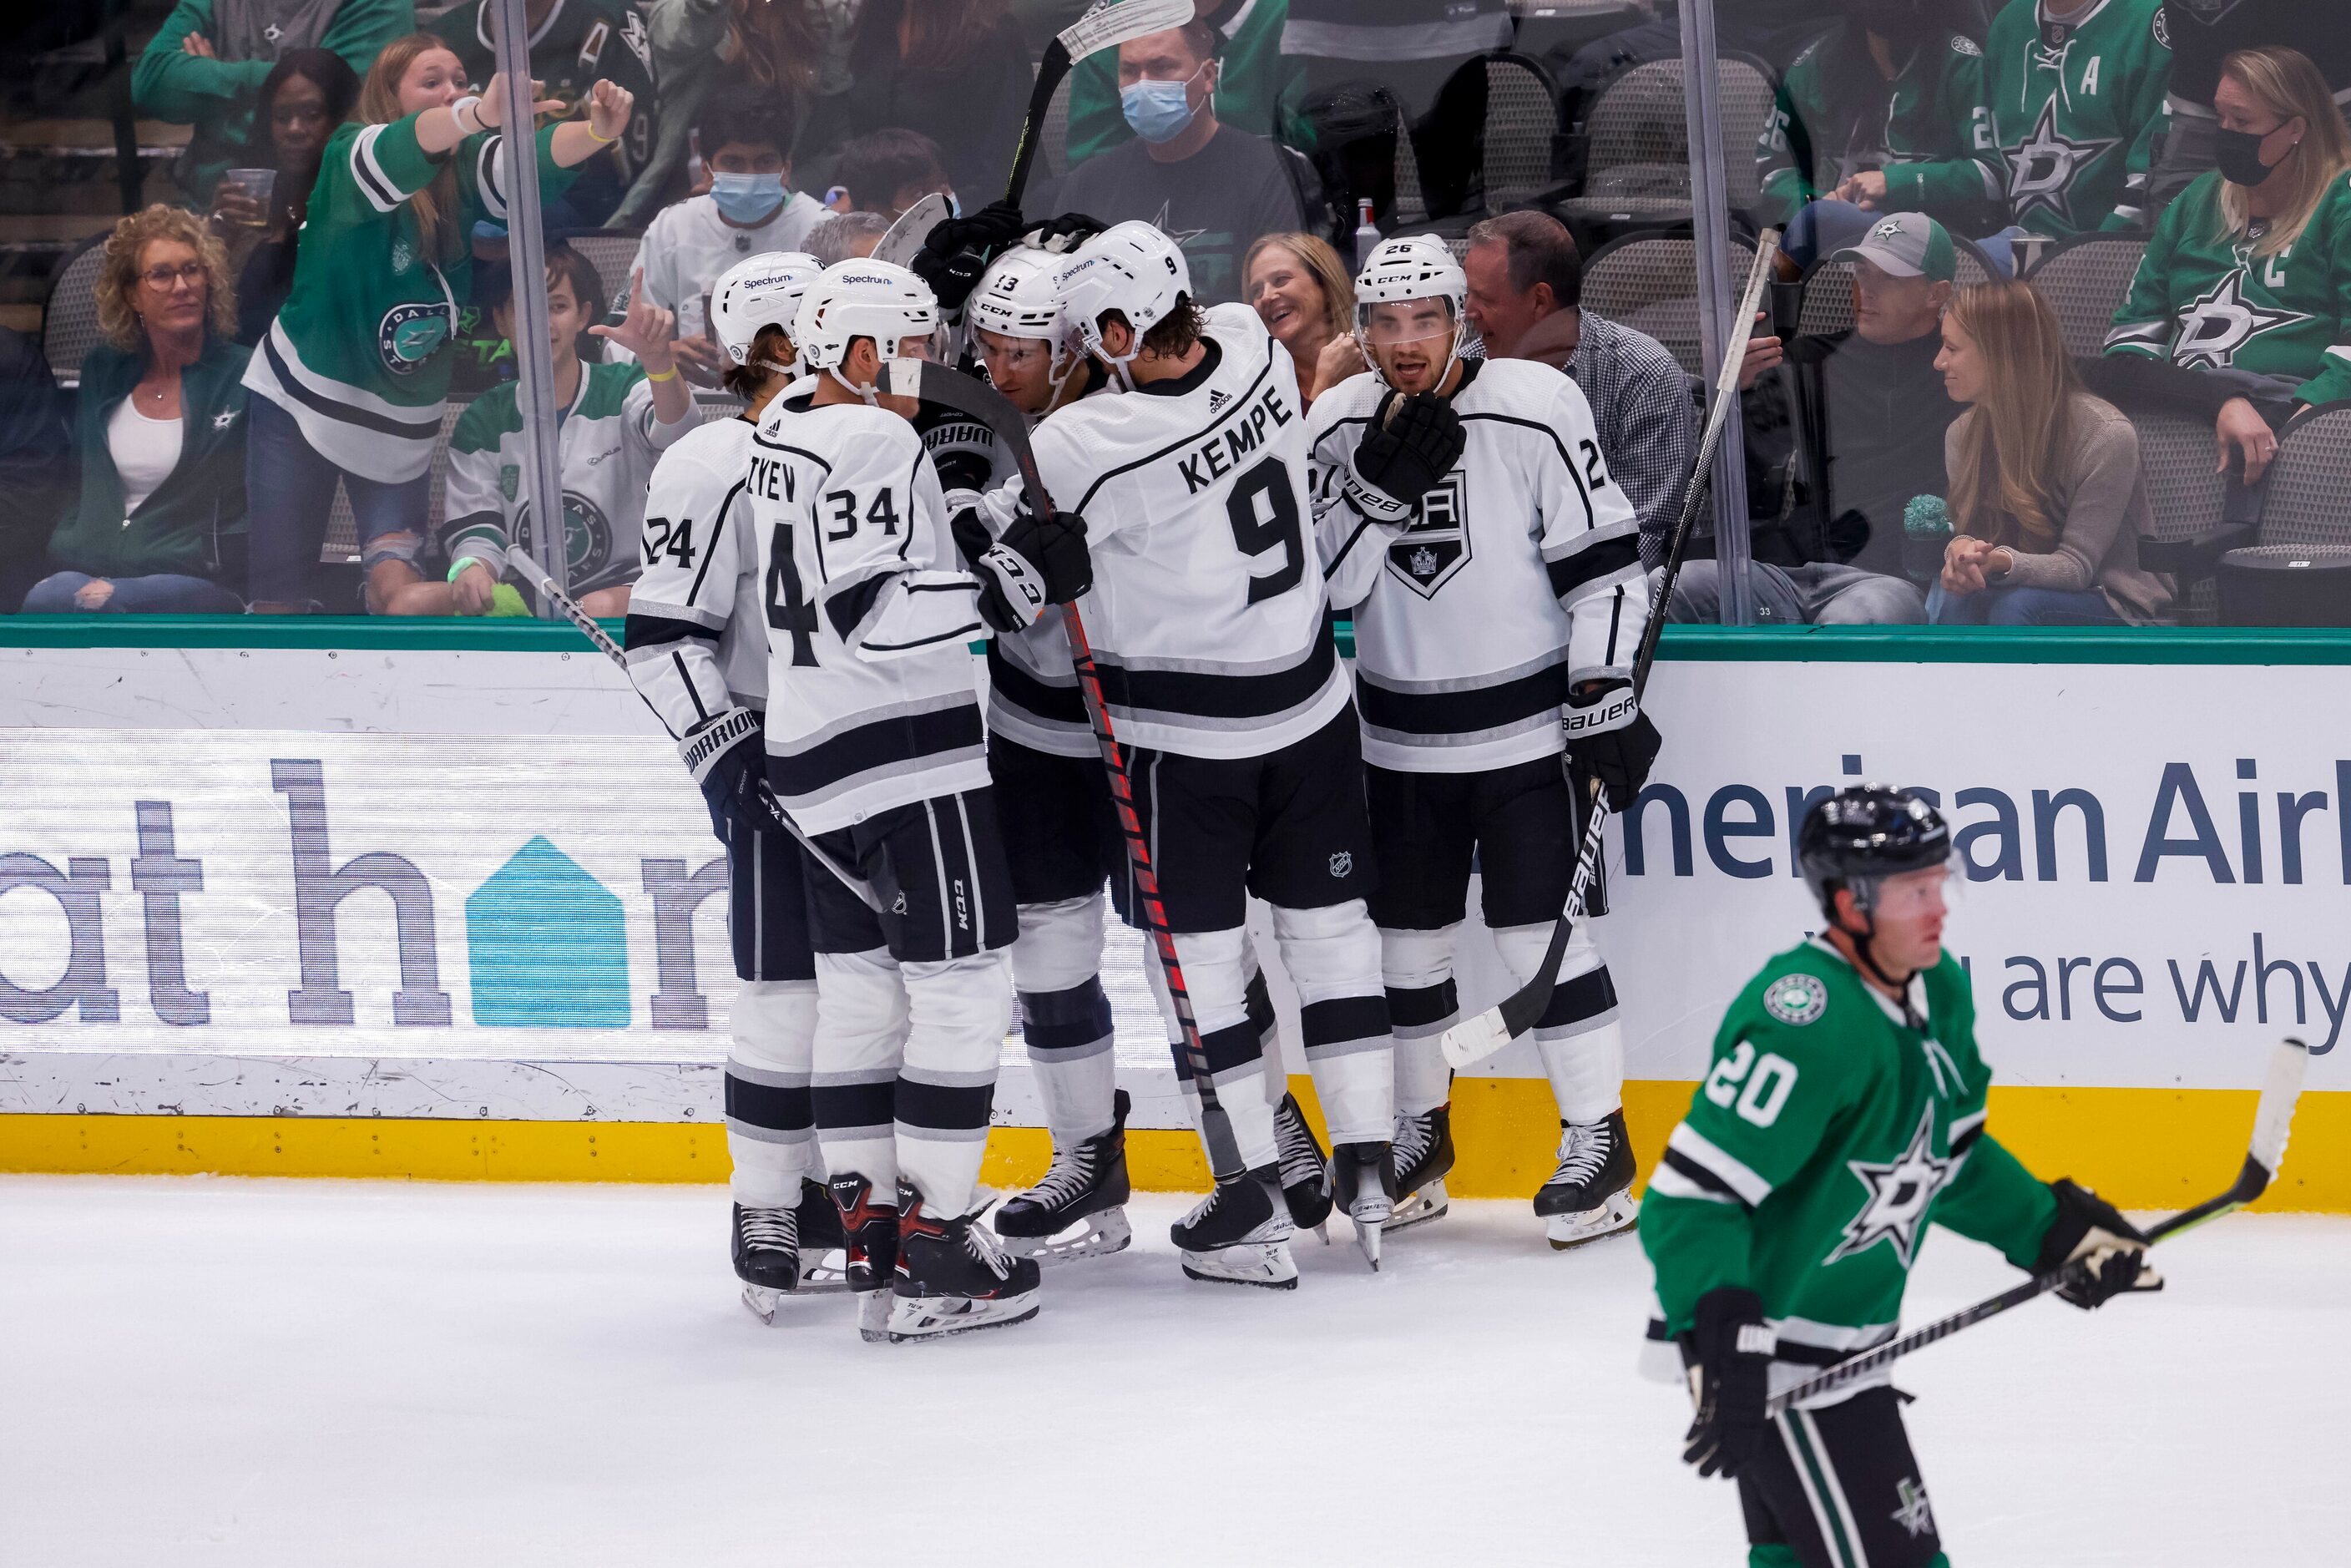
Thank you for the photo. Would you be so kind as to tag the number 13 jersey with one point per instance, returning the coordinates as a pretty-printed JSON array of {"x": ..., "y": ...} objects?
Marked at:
[{"x": 1206, "y": 614}]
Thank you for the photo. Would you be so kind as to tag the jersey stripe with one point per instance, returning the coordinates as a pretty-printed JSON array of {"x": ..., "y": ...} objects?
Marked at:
[
  {"x": 1465, "y": 711},
  {"x": 1678, "y": 1175},
  {"x": 1179, "y": 694},
  {"x": 1727, "y": 1168},
  {"x": 1596, "y": 560}
]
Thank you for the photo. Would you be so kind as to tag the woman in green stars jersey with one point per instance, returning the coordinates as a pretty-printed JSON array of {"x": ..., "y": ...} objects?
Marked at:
[
  {"x": 348, "y": 382},
  {"x": 1843, "y": 1113}
]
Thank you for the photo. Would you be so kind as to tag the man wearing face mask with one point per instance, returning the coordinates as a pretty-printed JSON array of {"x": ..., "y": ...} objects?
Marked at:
[{"x": 1212, "y": 188}]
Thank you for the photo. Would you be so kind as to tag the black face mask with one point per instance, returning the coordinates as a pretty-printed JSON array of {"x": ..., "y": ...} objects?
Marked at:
[{"x": 2238, "y": 155}]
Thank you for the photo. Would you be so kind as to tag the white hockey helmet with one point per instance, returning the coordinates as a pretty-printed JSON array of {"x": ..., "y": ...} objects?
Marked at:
[
  {"x": 1129, "y": 268},
  {"x": 1017, "y": 298},
  {"x": 1410, "y": 267},
  {"x": 862, "y": 297},
  {"x": 755, "y": 293}
]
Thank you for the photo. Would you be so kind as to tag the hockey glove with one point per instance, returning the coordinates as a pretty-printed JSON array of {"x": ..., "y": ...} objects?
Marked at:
[
  {"x": 1061, "y": 236},
  {"x": 1611, "y": 738},
  {"x": 1729, "y": 1353},
  {"x": 1404, "y": 451},
  {"x": 957, "y": 250},
  {"x": 2110, "y": 1252},
  {"x": 728, "y": 760},
  {"x": 1037, "y": 562}
]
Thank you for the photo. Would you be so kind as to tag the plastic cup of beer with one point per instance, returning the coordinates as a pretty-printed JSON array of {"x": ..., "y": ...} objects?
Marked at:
[{"x": 255, "y": 184}]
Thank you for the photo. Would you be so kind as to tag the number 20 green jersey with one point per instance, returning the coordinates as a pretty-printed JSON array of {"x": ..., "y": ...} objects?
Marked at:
[{"x": 1828, "y": 1133}]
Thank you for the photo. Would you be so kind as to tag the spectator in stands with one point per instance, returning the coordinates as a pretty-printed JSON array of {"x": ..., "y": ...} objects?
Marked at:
[
  {"x": 955, "y": 70},
  {"x": 573, "y": 45},
  {"x": 888, "y": 172},
  {"x": 1526, "y": 284},
  {"x": 306, "y": 95},
  {"x": 159, "y": 528},
  {"x": 349, "y": 379},
  {"x": 2203, "y": 34},
  {"x": 1885, "y": 113},
  {"x": 1301, "y": 290},
  {"x": 204, "y": 69},
  {"x": 1867, "y": 425},
  {"x": 36, "y": 462},
  {"x": 1215, "y": 189},
  {"x": 1259, "y": 90},
  {"x": 746, "y": 132},
  {"x": 2047, "y": 501},
  {"x": 2076, "y": 96},
  {"x": 799, "y": 46},
  {"x": 613, "y": 421},
  {"x": 2243, "y": 295},
  {"x": 845, "y": 234}
]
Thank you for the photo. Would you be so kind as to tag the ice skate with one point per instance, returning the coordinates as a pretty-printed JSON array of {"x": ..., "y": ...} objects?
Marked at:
[
  {"x": 767, "y": 1257},
  {"x": 871, "y": 1233},
  {"x": 824, "y": 1248},
  {"x": 1084, "y": 1193},
  {"x": 1238, "y": 1235},
  {"x": 952, "y": 1277},
  {"x": 1302, "y": 1163},
  {"x": 1363, "y": 1183},
  {"x": 1424, "y": 1153},
  {"x": 1590, "y": 1194}
]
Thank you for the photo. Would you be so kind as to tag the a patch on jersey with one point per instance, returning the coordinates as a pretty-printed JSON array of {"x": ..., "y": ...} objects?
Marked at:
[
  {"x": 1435, "y": 546},
  {"x": 2223, "y": 321},
  {"x": 510, "y": 480},
  {"x": 591, "y": 48},
  {"x": 587, "y": 537},
  {"x": 409, "y": 333},
  {"x": 2041, "y": 168},
  {"x": 1900, "y": 1192},
  {"x": 2161, "y": 26},
  {"x": 1915, "y": 1515},
  {"x": 638, "y": 41},
  {"x": 1342, "y": 863},
  {"x": 1796, "y": 1000},
  {"x": 1963, "y": 44}
]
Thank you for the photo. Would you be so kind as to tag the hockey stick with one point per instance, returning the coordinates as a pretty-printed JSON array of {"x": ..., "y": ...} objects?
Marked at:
[
  {"x": 904, "y": 239},
  {"x": 613, "y": 651},
  {"x": 975, "y": 398},
  {"x": 1473, "y": 1040},
  {"x": 2272, "y": 1120}
]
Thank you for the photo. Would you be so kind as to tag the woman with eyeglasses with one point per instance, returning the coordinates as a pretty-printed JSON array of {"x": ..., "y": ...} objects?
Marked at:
[{"x": 159, "y": 528}]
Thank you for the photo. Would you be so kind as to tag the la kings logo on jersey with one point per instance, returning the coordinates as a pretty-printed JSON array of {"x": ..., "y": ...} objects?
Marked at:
[
  {"x": 1435, "y": 547},
  {"x": 2041, "y": 168},
  {"x": 2223, "y": 321},
  {"x": 1900, "y": 1192}
]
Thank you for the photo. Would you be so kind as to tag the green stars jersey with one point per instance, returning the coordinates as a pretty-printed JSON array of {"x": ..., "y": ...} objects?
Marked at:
[
  {"x": 607, "y": 442},
  {"x": 2078, "y": 108},
  {"x": 1930, "y": 131},
  {"x": 359, "y": 353},
  {"x": 2204, "y": 300},
  {"x": 1827, "y": 1135}
]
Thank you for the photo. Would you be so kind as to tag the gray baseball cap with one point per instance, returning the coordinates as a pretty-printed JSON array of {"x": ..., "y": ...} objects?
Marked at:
[{"x": 1906, "y": 244}]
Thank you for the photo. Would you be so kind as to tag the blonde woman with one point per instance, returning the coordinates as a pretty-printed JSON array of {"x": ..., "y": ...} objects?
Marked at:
[
  {"x": 348, "y": 382},
  {"x": 2046, "y": 497},
  {"x": 2248, "y": 276},
  {"x": 1301, "y": 290},
  {"x": 160, "y": 424}
]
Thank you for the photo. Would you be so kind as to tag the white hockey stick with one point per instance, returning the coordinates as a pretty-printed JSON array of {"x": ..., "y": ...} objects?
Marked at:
[{"x": 904, "y": 240}]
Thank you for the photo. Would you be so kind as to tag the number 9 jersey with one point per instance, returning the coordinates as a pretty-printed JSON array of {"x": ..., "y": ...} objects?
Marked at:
[{"x": 1206, "y": 613}]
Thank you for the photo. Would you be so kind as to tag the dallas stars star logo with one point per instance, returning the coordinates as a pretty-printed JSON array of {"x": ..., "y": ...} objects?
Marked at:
[
  {"x": 1914, "y": 1516},
  {"x": 2223, "y": 321},
  {"x": 2043, "y": 167},
  {"x": 1900, "y": 1189},
  {"x": 1181, "y": 236}
]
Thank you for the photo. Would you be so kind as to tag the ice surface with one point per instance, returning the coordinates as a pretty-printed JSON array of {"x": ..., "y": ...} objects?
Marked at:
[{"x": 262, "y": 1373}]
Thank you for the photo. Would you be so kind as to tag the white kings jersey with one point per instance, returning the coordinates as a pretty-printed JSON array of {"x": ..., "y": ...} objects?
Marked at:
[
  {"x": 1206, "y": 613},
  {"x": 1518, "y": 576},
  {"x": 872, "y": 696},
  {"x": 698, "y": 636}
]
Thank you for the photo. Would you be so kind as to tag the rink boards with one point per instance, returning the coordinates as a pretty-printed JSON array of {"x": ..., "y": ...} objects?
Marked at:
[{"x": 437, "y": 903}]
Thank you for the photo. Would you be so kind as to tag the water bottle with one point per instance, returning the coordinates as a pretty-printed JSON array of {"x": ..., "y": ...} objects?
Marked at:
[{"x": 1368, "y": 233}]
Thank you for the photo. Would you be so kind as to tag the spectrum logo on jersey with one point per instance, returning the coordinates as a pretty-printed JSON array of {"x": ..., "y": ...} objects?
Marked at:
[{"x": 1221, "y": 453}]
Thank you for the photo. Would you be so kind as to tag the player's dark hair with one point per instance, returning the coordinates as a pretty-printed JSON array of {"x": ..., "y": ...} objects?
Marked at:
[
  {"x": 1536, "y": 248},
  {"x": 876, "y": 168},
  {"x": 743, "y": 111},
  {"x": 770, "y": 345},
  {"x": 1174, "y": 334}
]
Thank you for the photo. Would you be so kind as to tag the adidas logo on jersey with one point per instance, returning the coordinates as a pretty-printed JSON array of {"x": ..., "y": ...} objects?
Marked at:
[{"x": 1217, "y": 399}]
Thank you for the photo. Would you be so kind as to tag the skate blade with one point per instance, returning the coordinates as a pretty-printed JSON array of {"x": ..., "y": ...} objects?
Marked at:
[
  {"x": 1367, "y": 1238},
  {"x": 1095, "y": 1236},
  {"x": 1267, "y": 1264},
  {"x": 936, "y": 1317},
  {"x": 760, "y": 1300},
  {"x": 1566, "y": 1231},
  {"x": 873, "y": 1316},
  {"x": 1419, "y": 1208}
]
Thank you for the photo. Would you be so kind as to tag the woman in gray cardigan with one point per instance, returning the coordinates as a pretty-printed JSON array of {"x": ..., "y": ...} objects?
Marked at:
[{"x": 2046, "y": 497}]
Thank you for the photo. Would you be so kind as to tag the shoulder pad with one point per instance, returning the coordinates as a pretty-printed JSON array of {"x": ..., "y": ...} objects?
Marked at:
[{"x": 1963, "y": 44}]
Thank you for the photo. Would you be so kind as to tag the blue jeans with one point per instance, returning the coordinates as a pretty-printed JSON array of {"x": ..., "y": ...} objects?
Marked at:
[
  {"x": 288, "y": 491},
  {"x": 159, "y": 593},
  {"x": 2020, "y": 607}
]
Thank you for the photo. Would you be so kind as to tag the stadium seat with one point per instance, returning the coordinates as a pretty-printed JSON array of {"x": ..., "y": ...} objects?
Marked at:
[
  {"x": 713, "y": 407},
  {"x": 613, "y": 253},
  {"x": 1521, "y": 130},
  {"x": 2300, "y": 573},
  {"x": 1638, "y": 167},
  {"x": 69, "y": 321},
  {"x": 1649, "y": 283},
  {"x": 2186, "y": 497},
  {"x": 2085, "y": 279}
]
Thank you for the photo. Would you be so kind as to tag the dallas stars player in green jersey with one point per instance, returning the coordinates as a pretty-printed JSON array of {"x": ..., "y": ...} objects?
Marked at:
[
  {"x": 1844, "y": 1110},
  {"x": 2076, "y": 96}
]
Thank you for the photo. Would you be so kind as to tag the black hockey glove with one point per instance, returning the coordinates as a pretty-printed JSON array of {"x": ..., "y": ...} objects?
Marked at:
[
  {"x": 2088, "y": 1231},
  {"x": 1062, "y": 234},
  {"x": 1729, "y": 1356},
  {"x": 1037, "y": 562},
  {"x": 729, "y": 759},
  {"x": 1611, "y": 738},
  {"x": 1404, "y": 451},
  {"x": 957, "y": 250}
]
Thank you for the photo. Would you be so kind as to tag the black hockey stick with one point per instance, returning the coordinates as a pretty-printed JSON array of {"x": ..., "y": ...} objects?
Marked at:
[
  {"x": 1474, "y": 1039},
  {"x": 613, "y": 651},
  {"x": 2272, "y": 1120},
  {"x": 970, "y": 396}
]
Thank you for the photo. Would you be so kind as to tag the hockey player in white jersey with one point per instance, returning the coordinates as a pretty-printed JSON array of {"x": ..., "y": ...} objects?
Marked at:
[
  {"x": 874, "y": 748},
  {"x": 1465, "y": 512},
  {"x": 1222, "y": 674},
  {"x": 697, "y": 645}
]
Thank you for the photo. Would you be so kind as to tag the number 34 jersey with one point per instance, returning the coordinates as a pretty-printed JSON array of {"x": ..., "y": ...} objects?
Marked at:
[{"x": 1206, "y": 614}]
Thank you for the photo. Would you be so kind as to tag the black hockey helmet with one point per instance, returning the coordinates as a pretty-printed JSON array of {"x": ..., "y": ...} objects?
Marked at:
[{"x": 1864, "y": 833}]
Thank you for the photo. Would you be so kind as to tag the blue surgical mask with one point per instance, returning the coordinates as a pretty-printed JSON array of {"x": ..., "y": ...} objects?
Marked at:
[
  {"x": 1158, "y": 111},
  {"x": 747, "y": 198}
]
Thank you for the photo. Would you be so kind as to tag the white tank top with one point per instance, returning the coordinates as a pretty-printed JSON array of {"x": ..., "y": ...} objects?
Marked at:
[{"x": 144, "y": 450}]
